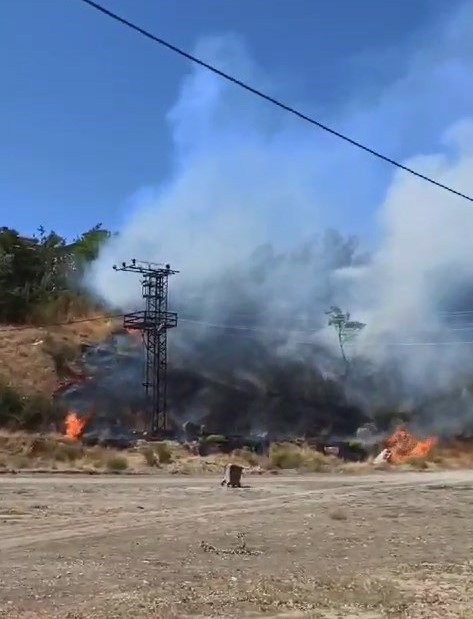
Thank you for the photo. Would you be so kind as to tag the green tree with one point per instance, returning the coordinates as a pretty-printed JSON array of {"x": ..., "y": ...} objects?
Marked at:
[
  {"x": 40, "y": 276},
  {"x": 345, "y": 328},
  {"x": 87, "y": 247}
]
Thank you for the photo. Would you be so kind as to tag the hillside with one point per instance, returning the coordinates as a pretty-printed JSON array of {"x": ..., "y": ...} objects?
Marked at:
[
  {"x": 41, "y": 287},
  {"x": 35, "y": 360}
]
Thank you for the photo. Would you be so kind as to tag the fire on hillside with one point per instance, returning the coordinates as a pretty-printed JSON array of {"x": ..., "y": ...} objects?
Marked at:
[
  {"x": 113, "y": 373},
  {"x": 75, "y": 425}
]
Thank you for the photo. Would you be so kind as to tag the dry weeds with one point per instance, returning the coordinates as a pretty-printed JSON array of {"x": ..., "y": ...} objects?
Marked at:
[
  {"x": 19, "y": 451},
  {"x": 241, "y": 548},
  {"x": 116, "y": 462},
  {"x": 54, "y": 452}
]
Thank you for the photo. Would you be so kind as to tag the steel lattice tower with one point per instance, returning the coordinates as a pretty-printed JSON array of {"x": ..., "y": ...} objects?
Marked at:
[{"x": 153, "y": 322}]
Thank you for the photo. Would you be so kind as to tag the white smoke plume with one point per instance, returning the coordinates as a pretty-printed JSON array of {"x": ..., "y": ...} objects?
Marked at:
[
  {"x": 423, "y": 267},
  {"x": 247, "y": 176}
]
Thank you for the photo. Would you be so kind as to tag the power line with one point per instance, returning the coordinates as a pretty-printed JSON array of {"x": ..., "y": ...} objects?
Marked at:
[
  {"x": 63, "y": 323},
  {"x": 270, "y": 99},
  {"x": 241, "y": 331},
  {"x": 446, "y": 343},
  {"x": 251, "y": 332},
  {"x": 255, "y": 330}
]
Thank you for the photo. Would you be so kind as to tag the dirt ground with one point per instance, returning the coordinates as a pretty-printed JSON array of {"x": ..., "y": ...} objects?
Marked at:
[
  {"x": 384, "y": 545},
  {"x": 29, "y": 356}
]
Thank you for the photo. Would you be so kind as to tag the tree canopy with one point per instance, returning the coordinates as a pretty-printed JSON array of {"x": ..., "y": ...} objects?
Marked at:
[{"x": 40, "y": 276}]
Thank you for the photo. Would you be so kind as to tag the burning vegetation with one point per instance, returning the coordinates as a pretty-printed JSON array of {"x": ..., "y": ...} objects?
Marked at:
[
  {"x": 255, "y": 378},
  {"x": 292, "y": 401},
  {"x": 402, "y": 447},
  {"x": 75, "y": 425}
]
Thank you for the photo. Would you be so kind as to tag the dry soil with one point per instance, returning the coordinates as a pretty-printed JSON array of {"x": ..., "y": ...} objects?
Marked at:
[{"x": 384, "y": 545}]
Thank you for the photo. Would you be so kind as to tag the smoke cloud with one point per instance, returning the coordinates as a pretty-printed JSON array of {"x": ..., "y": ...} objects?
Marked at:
[{"x": 244, "y": 218}]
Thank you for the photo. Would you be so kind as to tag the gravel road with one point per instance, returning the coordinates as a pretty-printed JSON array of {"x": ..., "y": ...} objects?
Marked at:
[{"x": 374, "y": 546}]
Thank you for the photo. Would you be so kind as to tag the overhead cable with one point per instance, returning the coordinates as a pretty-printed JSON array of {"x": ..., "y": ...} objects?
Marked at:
[{"x": 262, "y": 95}]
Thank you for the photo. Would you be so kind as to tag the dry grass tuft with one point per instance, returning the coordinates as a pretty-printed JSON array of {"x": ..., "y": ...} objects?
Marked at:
[
  {"x": 285, "y": 456},
  {"x": 19, "y": 451},
  {"x": 164, "y": 453},
  {"x": 303, "y": 458},
  {"x": 248, "y": 457},
  {"x": 458, "y": 455},
  {"x": 116, "y": 463},
  {"x": 419, "y": 464},
  {"x": 149, "y": 456}
]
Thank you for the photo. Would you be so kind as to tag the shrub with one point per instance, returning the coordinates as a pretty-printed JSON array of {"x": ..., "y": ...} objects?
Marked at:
[
  {"x": 150, "y": 457},
  {"x": 289, "y": 456},
  {"x": 30, "y": 413},
  {"x": 419, "y": 464},
  {"x": 68, "y": 452},
  {"x": 19, "y": 461},
  {"x": 215, "y": 438},
  {"x": 117, "y": 463},
  {"x": 164, "y": 453},
  {"x": 61, "y": 352},
  {"x": 285, "y": 457},
  {"x": 316, "y": 462},
  {"x": 248, "y": 456},
  {"x": 41, "y": 446}
]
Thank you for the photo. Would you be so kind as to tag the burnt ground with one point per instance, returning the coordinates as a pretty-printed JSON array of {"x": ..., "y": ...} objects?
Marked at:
[{"x": 383, "y": 545}]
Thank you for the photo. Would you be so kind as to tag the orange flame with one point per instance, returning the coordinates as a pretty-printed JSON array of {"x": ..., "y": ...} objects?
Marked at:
[
  {"x": 402, "y": 446},
  {"x": 75, "y": 425}
]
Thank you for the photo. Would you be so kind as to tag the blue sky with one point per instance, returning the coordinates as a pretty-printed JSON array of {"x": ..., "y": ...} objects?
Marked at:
[{"x": 84, "y": 102}]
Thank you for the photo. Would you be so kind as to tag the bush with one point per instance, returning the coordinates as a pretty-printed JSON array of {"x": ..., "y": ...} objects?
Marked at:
[
  {"x": 43, "y": 448},
  {"x": 19, "y": 461},
  {"x": 248, "y": 456},
  {"x": 117, "y": 463},
  {"x": 96, "y": 456},
  {"x": 215, "y": 438},
  {"x": 40, "y": 446},
  {"x": 28, "y": 413},
  {"x": 315, "y": 462},
  {"x": 289, "y": 456},
  {"x": 164, "y": 453},
  {"x": 419, "y": 464},
  {"x": 68, "y": 452},
  {"x": 285, "y": 457},
  {"x": 61, "y": 352},
  {"x": 150, "y": 457}
]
